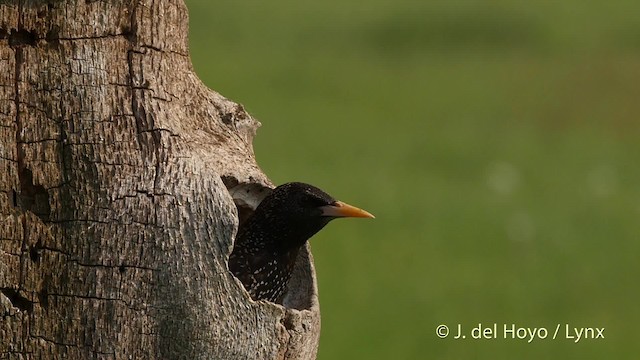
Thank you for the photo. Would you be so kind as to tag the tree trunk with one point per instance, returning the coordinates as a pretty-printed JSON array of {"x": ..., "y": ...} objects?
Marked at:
[{"x": 119, "y": 171}]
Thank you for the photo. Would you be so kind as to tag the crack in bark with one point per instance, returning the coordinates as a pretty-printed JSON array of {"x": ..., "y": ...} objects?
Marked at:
[
  {"x": 18, "y": 72},
  {"x": 121, "y": 267},
  {"x": 23, "y": 37},
  {"x": 141, "y": 117},
  {"x": 57, "y": 343}
]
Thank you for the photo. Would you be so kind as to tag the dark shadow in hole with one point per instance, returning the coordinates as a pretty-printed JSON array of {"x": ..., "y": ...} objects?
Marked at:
[
  {"x": 22, "y": 37},
  {"x": 17, "y": 300},
  {"x": 43, "y": 297},
  {"x": 32, "y": 197},
  {"x": 34, "y": 253}
]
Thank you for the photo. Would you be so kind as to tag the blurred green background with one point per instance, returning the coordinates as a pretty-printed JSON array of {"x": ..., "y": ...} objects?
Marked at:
[{"x": 497, "y": 142}]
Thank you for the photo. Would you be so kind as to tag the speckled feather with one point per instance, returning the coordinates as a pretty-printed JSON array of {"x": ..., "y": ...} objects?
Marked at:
[{"x": 268, "y": 243}]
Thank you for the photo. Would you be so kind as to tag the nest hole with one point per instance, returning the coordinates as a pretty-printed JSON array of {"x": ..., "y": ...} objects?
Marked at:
[{"x": 301, "y": 291}]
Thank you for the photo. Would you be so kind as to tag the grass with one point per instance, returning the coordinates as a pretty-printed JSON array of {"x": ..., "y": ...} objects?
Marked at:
[{"x": 496, "y": 142}]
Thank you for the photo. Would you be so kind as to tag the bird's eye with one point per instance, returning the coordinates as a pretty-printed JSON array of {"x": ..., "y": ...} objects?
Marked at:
[{"x": 314, "y": 201}]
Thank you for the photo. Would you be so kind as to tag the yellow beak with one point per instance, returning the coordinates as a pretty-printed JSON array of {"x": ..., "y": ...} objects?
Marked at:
[{"x": 340, "y": 209}]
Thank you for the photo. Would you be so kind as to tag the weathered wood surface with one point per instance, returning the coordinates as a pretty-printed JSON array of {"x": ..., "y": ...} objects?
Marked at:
[{"x": 117, "y": 170}]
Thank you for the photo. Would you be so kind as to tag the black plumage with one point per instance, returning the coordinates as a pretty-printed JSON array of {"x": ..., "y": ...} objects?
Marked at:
[{"x": 268, "y": 242}]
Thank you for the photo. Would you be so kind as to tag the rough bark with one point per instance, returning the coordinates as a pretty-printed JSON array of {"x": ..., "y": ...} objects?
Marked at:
[{"x": 118, "y": 175}]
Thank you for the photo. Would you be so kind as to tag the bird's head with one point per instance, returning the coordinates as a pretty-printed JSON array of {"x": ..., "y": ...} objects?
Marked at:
[{"x": 297, "y": 211}]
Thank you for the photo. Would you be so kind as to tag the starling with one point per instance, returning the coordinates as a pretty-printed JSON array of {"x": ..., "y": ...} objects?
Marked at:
[{"x": 268, "y": 242}]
